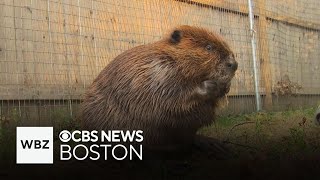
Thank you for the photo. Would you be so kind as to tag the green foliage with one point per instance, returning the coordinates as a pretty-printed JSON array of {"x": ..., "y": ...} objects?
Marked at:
[
  {"x": 297, "y": 138},
  {"x": 278, "y": 134},
  {"x": 63, "y": 119}
]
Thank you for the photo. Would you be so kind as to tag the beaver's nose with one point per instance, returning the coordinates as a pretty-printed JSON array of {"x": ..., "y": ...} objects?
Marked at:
[{"x": 232, "y": 64}]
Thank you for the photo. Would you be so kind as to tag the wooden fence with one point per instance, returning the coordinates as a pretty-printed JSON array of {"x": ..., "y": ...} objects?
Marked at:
[{"x": 51, "y": 50}]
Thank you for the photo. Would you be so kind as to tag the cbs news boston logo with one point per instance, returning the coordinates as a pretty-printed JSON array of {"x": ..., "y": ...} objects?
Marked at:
[{"x": 35, "y": 144}]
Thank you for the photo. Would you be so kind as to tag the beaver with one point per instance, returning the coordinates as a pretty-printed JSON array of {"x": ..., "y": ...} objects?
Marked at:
[{"x": 169, "y": 88}]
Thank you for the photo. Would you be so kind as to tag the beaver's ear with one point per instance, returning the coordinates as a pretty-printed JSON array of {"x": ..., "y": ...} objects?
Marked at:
[{"x": 175, "y": 36}]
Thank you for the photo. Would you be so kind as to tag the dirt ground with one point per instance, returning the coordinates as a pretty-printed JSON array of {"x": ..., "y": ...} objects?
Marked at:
[{"x": 262, "y": 146}]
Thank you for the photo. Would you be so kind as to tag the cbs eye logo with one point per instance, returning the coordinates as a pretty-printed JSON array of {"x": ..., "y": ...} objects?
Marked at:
[{"x": 65, "y": 136}]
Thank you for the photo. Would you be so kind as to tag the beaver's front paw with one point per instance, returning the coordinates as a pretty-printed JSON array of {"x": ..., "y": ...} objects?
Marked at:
[{"x": 208, "y": 88}]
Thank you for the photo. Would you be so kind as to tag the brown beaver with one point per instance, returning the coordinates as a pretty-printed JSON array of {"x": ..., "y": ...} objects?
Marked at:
[{"x": 168, "y": 89}]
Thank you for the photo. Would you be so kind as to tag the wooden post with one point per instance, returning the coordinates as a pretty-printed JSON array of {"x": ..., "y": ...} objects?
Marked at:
[{"x": 264, "y": 54}]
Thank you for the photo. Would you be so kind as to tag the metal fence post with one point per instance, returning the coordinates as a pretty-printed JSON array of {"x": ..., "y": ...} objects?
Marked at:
[{"x": 255, "y": 63}]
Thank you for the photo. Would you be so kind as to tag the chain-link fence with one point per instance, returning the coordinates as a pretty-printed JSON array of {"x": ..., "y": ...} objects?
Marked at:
[{"x": 51, "y": 50}]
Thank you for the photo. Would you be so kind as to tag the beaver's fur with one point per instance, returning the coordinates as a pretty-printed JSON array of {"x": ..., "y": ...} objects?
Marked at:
[{"x": 168, "y": 89}]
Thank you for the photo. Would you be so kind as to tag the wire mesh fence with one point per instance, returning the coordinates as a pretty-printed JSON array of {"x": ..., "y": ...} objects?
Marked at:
[{"x": 51, "y": 50}]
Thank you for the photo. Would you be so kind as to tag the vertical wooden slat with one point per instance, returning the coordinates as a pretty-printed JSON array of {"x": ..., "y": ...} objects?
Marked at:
[{"x": 264, "y": 54}]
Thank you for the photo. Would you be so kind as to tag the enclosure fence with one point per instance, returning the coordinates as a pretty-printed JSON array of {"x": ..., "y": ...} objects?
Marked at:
[{"x": 51, "y": 50}]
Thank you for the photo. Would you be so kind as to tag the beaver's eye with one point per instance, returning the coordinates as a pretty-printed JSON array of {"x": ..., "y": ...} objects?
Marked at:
[{"x": 209, "y": 47}]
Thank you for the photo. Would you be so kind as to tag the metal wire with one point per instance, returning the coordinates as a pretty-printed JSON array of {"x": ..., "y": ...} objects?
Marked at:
[{"x": 51, "y": 50}]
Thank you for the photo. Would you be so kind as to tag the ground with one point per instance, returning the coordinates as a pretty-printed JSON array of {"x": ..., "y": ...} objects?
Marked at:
[
  {"x": 289, "y": 134},
  {"x": 264, "y": 145}
]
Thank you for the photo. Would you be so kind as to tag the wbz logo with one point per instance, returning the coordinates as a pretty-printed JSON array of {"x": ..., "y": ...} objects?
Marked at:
[{"x": 34, "y": 145}]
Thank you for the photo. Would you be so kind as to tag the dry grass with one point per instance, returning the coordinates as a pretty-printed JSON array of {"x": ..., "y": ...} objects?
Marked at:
[{"x": 289, "y": 134}]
